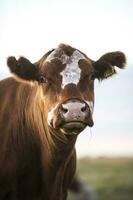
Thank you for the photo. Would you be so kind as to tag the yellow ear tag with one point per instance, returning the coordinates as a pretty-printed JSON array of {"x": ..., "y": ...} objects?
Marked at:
[{"x": 110, "y": 73}]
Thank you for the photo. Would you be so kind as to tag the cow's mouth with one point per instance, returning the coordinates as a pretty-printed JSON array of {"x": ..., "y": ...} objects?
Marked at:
[{"x": 73, "y": 127}]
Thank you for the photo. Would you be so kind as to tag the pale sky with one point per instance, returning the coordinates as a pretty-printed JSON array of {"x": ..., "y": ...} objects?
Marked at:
[{"x": 32, "y": 27}]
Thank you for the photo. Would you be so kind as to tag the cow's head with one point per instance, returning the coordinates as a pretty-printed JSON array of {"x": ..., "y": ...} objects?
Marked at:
[{"x": 66, "y": 77}]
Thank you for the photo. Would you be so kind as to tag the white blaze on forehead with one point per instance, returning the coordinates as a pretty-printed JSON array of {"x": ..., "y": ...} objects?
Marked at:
[{"x": 72, "y": 72}]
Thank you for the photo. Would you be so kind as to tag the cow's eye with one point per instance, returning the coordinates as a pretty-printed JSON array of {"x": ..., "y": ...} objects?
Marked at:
[
  {"x": 92, "y": 76},
  {"x": 42, "y": 79}
]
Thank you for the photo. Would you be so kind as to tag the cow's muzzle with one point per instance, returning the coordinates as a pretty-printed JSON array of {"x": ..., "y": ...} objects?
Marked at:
[{"x": 75, "y": 115}]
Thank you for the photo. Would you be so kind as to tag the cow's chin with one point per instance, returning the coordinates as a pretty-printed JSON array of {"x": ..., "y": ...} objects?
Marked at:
[{"x": 73, "y": 128}]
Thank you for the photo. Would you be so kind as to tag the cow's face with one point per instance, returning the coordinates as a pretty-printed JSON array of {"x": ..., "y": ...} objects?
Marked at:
[
  {"x": 67, "y": 78},
  {"x": 68, "y": 89}
]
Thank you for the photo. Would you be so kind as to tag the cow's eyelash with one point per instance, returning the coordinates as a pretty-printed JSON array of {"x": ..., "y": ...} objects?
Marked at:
[{"x": 93, "y": 76}]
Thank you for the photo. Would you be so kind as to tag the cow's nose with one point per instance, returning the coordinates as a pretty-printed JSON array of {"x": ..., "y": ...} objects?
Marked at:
[{"x": 74, "y": 110}]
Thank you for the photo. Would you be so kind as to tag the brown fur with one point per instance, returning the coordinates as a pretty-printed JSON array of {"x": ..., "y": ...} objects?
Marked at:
[
  {"x": 38, "y": 161},
  {"x": 26, "y": 146}
]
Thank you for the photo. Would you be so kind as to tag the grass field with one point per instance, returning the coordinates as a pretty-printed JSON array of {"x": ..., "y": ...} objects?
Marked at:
[{"x": 109, "y": 178}]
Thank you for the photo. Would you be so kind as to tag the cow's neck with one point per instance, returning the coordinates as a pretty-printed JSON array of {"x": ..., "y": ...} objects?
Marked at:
[
  {"x": 64, "y": 145},
  {"x": 62, "y": 155}
]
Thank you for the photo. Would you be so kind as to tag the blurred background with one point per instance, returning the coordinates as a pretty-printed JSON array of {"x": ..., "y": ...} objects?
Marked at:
[{"x": 32, "y": 27}]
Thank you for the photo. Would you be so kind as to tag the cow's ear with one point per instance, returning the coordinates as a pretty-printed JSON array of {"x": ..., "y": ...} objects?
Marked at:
[
  {"x": 104, "y": 67},
  {"x": 22, "y": 68}
]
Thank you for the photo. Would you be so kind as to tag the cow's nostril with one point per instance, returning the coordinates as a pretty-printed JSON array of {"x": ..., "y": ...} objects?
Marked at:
[
  {"x": 64, "y": 109},
  {"x": 83, "y": 109}
]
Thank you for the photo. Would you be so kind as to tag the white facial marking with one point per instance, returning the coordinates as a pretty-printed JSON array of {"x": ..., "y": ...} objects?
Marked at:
[
  {"x": 71, "y": 74},
  {"x": 50, "y": 114},
  {"x": 91, "y": 105}
]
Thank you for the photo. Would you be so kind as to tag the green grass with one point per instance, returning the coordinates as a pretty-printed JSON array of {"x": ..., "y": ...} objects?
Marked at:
[{"x": 109, "y": 178}]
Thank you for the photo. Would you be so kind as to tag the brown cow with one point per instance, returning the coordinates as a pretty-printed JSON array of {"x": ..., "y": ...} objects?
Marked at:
[{"x": 43, "y": 108}]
